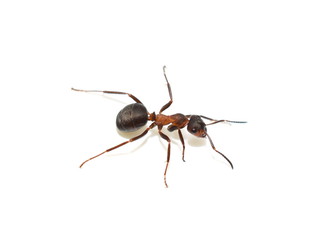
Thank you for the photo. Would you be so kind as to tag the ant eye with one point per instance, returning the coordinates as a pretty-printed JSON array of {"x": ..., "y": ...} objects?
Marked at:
[{"x": 194, "y": 130}]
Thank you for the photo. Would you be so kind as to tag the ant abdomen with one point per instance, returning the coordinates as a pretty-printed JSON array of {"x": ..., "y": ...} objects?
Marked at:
[{"x": 132, "y": 117}]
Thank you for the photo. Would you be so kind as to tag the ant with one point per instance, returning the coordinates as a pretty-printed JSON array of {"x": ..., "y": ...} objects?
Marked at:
[{"x": 134, "y": 116}]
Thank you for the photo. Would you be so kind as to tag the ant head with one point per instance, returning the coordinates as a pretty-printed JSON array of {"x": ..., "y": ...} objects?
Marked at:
[{"x": 197, "y": 127}]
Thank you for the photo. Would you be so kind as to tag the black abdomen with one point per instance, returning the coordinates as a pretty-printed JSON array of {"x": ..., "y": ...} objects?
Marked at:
[{"x": 132, "y": 117}]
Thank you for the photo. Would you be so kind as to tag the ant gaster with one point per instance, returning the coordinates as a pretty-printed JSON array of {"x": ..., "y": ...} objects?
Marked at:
[{"x": 135, "y": 115}]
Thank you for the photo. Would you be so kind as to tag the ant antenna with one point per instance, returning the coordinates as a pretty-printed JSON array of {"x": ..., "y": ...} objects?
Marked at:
[
  {"x": 218, "y": 121},
  {"x": 212, "y": 144},
  {"x": 225, "y": 121}
]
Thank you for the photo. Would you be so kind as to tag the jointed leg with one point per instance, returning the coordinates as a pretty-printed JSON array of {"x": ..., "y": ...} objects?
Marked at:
[
  {"x": 168, "y": 152},
  {"x": 170, "y": 93},
  {"x": 182, "y": 140},
  {"x": 111, "y": 92},
  {"x": 120, "y": 145}
]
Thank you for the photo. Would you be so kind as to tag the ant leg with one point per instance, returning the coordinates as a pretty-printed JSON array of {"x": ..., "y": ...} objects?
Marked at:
[
  {"x": 123, "y": 143},
  {"x": 111, "y": 92},
  {"x": 168, "y": 151},
  {"x": 170, "y": 94},
  {"x": 182, "y": 140},
  {"x": 212, "y": 144}
]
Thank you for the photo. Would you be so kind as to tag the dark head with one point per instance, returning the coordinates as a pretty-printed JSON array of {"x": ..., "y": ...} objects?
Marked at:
[{"x": 196, "y": 126}]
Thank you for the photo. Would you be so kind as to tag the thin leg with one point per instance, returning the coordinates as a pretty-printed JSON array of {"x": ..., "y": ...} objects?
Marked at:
[
  {"x": 111, "y": 92},
  {"x": 120, "y": 145},
  {"x": 168, "y": 152},
  {"x": 182, "y": 140},
  {"x": 170, "y": 93},
  {"x": 212, "y": 144}
]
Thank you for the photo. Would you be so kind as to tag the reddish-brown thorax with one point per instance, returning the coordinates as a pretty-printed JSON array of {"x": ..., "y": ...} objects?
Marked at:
[{"x": 178, "y": 120}]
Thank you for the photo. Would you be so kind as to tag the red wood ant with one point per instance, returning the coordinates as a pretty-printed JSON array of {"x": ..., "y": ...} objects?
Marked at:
[{"x": 135, "y": 115}]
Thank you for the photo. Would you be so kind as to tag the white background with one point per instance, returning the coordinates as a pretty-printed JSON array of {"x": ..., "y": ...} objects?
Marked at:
[{"x": 239, "y": 60}]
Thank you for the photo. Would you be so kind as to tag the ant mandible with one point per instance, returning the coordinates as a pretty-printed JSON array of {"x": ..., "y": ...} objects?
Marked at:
[{"x": 135, "y": 115}]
